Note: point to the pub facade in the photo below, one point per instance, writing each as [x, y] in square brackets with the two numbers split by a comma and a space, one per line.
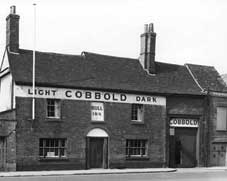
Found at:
[101, 111]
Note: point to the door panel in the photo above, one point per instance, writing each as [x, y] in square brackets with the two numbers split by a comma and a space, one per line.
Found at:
[185, 147]
[182, 148]
[2, 153]
[218, 155]
[96, 152]
[172, 163]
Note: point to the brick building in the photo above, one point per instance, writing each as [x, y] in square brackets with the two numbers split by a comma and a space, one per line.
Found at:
[99, 111]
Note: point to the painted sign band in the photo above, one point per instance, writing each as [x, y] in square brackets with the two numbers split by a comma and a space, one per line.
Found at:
[88, 95]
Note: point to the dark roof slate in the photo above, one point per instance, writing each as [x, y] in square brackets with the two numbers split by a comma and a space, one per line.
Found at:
[208, 77]
[95, 71]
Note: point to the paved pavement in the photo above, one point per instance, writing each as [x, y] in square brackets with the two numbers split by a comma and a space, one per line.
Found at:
[110, 171]
[85, 172]
[202, 169]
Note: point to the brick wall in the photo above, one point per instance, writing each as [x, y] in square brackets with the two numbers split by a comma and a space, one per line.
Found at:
[8, 115]
[217, 139]
[11, 152]
[74, 125]
[190, 107]
[7, 131]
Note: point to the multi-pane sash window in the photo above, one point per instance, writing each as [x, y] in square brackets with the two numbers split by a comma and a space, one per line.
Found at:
[53, 108]
[136, 147]
[137, 112]
[221, 119]
[52, 147]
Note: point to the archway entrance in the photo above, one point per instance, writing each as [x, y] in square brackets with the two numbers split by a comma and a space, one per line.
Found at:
[97, 149]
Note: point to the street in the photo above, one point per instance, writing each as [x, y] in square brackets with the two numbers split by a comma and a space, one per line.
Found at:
[217, 175]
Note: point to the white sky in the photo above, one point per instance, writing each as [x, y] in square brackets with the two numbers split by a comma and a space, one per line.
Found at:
[188, 31]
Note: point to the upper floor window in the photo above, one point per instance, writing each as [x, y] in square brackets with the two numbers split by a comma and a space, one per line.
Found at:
[221, 119]
[53, 108]
[52, 147]
[137, 112]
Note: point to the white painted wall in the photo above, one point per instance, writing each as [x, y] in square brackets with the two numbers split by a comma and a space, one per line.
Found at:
[6, 93]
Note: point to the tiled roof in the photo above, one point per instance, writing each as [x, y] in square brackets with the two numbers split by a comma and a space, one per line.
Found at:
[207, 77]
[95, 71]
[224, 77]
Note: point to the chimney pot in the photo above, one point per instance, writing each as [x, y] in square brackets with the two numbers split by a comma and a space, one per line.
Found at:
[13, 10]
[146, 29]
[151, 27]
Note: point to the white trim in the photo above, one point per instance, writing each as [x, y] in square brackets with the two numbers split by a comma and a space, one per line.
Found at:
[2, 60]
[196, 81]
[88, 95]
[33, 65]
[12, 52]
[218, 94]
[4, 72]
[97, 132]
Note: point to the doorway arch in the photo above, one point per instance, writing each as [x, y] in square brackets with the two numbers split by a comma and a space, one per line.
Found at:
[97, 132]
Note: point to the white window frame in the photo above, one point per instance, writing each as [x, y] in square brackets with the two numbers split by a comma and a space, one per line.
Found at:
[137, 112]
[52, 148]
[136, 148]
[56, 106]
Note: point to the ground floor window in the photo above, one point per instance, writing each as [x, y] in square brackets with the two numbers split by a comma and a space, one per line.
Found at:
[52, 147]
[136, 147]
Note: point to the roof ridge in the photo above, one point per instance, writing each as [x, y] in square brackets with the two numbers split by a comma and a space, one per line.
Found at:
[169, 63]
[98, 54]
[53, 53]
[199, 65]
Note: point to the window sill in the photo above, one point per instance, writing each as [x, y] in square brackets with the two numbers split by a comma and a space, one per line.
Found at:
[137, 158]
[50, 159]
[97, 122]
[224, 131]
[137, 122]
[53, 119]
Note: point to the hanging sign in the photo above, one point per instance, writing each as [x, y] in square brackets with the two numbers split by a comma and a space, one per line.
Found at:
[182, 122]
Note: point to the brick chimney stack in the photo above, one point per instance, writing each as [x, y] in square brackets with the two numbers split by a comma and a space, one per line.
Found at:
[147, 53]
[12, 30]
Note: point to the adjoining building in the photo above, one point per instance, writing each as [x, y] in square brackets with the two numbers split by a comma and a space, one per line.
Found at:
[99, 111]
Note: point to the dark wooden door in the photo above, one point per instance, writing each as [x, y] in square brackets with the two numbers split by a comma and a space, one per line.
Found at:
[172, 162]
[96, 152]
[185, 147]
[2, 153]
